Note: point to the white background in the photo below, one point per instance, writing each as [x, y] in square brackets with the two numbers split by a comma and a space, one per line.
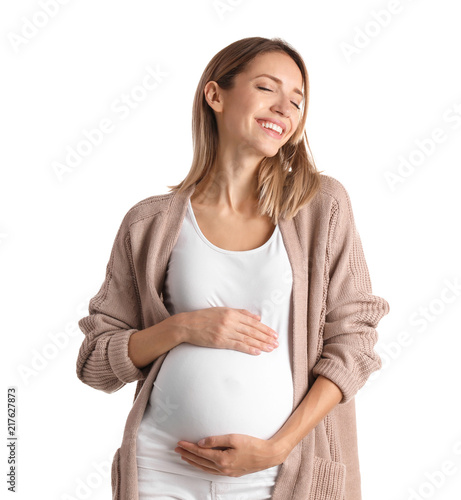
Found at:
[367, 111]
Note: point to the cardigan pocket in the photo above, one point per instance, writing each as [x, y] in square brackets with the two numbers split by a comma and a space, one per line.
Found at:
[330, 429]
[329, 480]
[115, 476]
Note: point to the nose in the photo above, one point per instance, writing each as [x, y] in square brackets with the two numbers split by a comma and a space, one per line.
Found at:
[282, 106]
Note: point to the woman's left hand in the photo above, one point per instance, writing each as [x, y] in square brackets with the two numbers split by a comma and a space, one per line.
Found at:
[231, 454]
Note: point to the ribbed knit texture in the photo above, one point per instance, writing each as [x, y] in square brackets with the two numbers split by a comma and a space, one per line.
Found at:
[329, 479]
[335, 316]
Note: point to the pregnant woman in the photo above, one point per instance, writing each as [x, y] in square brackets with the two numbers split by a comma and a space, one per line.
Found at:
[241, 304]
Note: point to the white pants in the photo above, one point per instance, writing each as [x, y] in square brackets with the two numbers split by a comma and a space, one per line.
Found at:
[159, 485]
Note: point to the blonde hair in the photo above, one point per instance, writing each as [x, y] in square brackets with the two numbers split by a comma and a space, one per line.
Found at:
[286, 181]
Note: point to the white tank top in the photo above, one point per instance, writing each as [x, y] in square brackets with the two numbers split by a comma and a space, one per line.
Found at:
[204, 391]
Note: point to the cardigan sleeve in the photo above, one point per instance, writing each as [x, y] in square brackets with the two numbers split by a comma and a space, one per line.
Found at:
[352, 312]
[114, 315]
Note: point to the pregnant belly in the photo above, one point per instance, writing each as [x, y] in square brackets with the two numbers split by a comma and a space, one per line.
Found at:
[201, 391]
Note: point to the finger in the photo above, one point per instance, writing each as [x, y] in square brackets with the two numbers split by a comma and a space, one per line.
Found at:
[263, 332]
[248, 313]
[257, 340]
[199, 461]
[207, 454]
[211, 471]
[249, 345]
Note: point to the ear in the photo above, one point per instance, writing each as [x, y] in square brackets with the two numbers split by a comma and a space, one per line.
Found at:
[213, 95]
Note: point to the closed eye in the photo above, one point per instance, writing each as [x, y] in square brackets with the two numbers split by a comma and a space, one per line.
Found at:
[264, 88]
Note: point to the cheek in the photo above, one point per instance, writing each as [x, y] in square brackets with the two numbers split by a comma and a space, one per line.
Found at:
[233, 120]
[296, 126]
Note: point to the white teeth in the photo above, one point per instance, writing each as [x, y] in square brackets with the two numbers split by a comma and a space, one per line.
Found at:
[273, 126]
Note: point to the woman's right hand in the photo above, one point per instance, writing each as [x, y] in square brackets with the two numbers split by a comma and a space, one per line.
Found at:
[227, 328]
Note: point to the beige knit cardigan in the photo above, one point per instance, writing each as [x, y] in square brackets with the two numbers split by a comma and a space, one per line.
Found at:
[333, 324]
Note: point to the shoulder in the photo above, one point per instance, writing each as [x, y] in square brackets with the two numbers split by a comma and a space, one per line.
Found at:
[339, 195]
[334, 189]
[331, 197]
[331, 203]
[147, 208]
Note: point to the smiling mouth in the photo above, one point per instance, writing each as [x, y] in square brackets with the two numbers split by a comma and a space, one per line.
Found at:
[270, 131]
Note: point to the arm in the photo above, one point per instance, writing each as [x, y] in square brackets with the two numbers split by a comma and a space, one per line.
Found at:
[352, 313]
[145, 346]
[322, 397]
[114, 315]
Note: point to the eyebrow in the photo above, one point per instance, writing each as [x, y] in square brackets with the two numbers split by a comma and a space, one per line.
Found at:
[277, 80]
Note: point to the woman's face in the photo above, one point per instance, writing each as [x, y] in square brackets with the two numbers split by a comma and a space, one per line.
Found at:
[256, 99]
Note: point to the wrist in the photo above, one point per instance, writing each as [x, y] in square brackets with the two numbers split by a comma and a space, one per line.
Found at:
[279, 449]
[178, 326]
